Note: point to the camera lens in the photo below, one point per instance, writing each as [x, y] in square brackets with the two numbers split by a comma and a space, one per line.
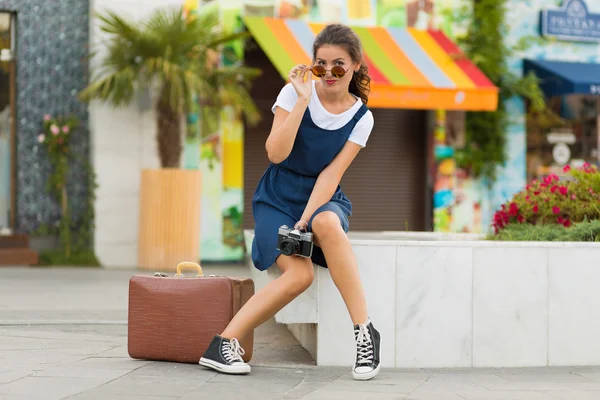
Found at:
[289, 246]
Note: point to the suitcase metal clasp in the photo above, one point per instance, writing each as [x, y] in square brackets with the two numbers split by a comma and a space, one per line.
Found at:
[161, 274]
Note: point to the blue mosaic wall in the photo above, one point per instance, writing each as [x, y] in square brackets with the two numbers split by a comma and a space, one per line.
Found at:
[52, 45]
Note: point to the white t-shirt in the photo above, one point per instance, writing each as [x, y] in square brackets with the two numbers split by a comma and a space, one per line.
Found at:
[324, 119]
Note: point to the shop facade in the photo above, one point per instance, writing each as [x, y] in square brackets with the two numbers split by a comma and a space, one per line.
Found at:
[569, 69]
[413, 75]
[565, 55]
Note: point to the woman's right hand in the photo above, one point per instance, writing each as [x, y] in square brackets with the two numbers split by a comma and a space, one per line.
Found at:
[297, 76]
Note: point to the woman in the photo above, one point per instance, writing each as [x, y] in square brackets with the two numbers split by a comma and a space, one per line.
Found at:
[318, 129]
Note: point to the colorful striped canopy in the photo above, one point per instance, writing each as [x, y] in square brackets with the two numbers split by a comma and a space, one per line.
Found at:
[409, 68]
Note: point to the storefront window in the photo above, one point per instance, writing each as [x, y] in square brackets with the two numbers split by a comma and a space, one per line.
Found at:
[567, 135]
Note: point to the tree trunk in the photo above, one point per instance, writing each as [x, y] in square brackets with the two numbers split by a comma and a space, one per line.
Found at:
[169, 132]
[66, 220]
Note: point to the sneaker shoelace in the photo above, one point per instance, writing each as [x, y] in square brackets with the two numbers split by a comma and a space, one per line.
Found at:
[364, 346]
[232, 351]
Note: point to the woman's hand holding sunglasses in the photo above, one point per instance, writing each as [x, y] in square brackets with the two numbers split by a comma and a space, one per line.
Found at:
[301, 78]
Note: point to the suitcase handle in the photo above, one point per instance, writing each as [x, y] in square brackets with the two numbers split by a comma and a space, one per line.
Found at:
[188, 264]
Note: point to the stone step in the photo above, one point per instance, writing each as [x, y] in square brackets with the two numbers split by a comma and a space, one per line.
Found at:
[14, 241]
[18, 256]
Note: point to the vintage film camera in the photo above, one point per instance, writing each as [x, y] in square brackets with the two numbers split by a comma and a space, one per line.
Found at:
[294, 241]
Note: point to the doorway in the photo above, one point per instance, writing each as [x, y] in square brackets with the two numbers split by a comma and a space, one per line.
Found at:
[7, 128]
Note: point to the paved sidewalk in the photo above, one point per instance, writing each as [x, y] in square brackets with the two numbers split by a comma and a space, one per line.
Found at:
[63, 335]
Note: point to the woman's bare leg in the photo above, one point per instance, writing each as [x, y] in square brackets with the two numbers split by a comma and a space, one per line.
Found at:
[298, 274]
[341, 263]
[344, 271]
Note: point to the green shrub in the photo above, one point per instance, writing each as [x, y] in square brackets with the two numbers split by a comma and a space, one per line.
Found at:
[84, 258]
[555, 201]
[587, 231]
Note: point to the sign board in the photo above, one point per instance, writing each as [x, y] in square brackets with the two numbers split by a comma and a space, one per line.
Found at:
[572, 21]
[561, 137]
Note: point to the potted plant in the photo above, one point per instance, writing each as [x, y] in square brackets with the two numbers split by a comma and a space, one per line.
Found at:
[176, 60]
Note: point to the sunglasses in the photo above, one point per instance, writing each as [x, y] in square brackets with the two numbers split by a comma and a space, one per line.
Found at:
[336, 72]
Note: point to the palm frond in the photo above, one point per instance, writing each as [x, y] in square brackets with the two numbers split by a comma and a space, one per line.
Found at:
[117, 89]
[116, 25]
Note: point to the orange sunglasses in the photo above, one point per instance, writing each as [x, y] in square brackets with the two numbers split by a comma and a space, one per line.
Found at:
[336, 72]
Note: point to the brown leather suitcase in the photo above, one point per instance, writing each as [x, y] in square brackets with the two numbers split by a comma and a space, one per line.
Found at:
[175, 318]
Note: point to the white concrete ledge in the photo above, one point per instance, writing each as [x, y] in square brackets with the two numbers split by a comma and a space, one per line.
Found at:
[444, 301]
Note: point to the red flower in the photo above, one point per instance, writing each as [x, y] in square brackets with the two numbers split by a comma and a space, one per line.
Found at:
[500, 219]
[567, 223]
[536, 193]
[591, 190]
[513, 210]
[520, 218]
[535, 208]
[567, 168]
[573, 197]
[559, 220]
[563, 190]
[553, 189]
[527, 197]
[555, 210]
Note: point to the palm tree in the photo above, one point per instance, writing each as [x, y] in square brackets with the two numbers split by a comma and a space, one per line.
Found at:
[178, 57]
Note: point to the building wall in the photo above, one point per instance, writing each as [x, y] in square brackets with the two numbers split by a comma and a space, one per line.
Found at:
[52, 38]
[123, 142]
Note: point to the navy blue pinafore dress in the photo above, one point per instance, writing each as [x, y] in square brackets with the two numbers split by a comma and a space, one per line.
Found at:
[285, 188]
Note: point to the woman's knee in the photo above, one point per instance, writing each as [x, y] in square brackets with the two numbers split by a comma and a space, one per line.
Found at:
[301, 271]
[325, 224]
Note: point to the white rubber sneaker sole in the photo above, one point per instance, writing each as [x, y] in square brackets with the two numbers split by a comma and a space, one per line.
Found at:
[366, 376]
[226, 369]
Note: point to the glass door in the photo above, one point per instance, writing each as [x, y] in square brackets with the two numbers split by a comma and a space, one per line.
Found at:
[7, 132]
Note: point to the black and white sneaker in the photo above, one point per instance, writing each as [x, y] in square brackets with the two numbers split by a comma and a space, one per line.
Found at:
[225, 355]
[368, 345]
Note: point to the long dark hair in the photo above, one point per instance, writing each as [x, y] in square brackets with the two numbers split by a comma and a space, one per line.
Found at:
[345, 37]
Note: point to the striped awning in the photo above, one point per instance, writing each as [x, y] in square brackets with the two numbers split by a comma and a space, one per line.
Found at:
[409, 68]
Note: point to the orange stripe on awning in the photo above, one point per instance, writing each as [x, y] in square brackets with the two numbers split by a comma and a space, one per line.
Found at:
[427, 98]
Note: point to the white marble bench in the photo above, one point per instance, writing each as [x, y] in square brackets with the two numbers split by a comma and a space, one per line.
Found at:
[457, 301]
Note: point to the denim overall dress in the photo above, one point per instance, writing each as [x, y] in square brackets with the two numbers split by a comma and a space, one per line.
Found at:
[285, 188]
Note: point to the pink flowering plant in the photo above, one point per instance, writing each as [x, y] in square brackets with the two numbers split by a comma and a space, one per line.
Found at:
[56, 138]
[56, 134]
[552, 200]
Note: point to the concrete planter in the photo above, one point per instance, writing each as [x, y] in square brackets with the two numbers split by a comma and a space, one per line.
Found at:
[456, 301]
